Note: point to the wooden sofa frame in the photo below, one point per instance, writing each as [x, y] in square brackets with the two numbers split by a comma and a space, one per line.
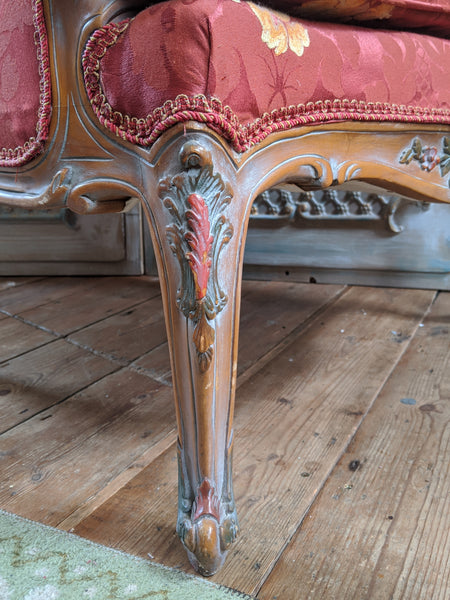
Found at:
[87, 169]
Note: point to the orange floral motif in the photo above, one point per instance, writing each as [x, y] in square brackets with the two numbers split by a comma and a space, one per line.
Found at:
[281, 33]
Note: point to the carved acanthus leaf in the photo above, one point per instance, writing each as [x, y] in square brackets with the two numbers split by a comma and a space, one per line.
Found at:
[200, 241]
[196, 199]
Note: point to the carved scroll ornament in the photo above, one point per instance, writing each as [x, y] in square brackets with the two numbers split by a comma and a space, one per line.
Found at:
[196, 198]
[54, 195]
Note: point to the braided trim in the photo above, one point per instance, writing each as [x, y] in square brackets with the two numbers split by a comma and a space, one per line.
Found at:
[221, 118]
[16, 157]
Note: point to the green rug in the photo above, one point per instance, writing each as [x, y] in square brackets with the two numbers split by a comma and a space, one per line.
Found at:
[41, 563]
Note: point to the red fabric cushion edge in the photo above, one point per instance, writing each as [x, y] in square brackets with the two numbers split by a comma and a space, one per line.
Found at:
[222, 119]
[16, 157]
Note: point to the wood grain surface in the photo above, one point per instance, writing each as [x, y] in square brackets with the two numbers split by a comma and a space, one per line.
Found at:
[341, 424]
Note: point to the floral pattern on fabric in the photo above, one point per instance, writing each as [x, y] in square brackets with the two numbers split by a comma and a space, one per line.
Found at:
[218, 70]
[25, 87]
[280, 32]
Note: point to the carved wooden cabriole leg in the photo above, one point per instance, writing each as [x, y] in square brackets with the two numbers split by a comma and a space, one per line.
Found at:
[198, 217]
[197, 226]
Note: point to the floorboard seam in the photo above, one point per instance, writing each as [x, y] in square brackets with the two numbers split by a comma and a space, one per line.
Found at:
[76, 329]
[100, 353]
[163, 445]
[289, 338]
[148, 373]
[31, 324]
[269, 570]
[25, 352]
[81, 389]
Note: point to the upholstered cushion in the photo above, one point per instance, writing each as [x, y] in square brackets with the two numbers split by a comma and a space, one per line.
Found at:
[246, 72]
[25, 89]
[431, 16]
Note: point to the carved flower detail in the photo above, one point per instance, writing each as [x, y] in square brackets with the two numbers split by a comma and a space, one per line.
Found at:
[426, 156]
[280, 33]
[196, 199]
[429, 159]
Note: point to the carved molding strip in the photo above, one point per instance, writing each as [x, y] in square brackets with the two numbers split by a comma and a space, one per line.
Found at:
[196, 199]
[328, 206]
[13, 214]
[54, 195]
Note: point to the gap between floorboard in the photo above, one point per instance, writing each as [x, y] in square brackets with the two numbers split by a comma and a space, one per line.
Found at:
[113, 486]
[351, 438]
[81, 513]
[263, 360]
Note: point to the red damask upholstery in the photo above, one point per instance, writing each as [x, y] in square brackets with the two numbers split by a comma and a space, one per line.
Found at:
[248, 71]
[25, 88]
[432, 16]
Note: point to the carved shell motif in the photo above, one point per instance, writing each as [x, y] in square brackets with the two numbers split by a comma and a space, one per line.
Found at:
[196, 199]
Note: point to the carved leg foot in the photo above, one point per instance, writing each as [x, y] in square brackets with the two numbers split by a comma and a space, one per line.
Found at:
[198, 231]
[207, 527]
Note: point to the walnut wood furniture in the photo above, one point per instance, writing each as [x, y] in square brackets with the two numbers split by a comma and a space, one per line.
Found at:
[193, 109]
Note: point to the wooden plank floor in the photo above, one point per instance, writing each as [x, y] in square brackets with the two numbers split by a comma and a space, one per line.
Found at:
[342, 447]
